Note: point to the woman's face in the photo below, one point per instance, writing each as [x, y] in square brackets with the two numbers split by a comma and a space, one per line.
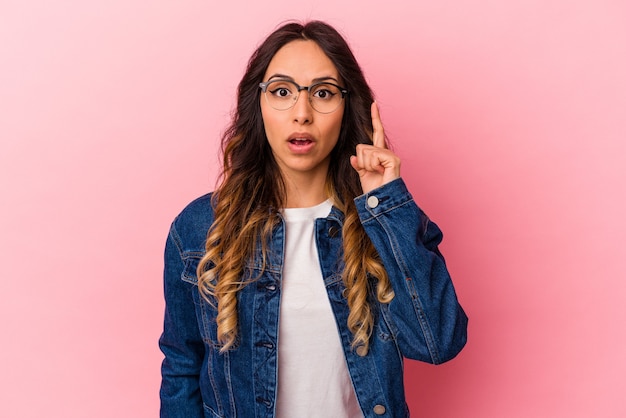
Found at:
[301, 138]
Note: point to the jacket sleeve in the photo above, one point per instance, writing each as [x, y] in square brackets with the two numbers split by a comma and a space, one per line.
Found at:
[180, 342]
[425, 317]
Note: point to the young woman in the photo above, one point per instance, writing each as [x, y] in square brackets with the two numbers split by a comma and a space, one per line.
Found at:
[298, 286]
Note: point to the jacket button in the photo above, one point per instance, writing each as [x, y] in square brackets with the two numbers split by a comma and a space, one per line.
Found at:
[379, 409]
[361, 350]
[271, 287]
[332, 231]
[372, 201]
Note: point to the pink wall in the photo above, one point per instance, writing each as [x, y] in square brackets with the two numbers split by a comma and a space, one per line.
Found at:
[511, 120]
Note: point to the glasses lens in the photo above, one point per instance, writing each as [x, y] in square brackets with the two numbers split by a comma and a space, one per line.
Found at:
[324, 97]
[281, 94]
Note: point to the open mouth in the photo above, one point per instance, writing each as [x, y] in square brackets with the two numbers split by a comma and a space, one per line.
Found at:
[301, 145]
[300, 141]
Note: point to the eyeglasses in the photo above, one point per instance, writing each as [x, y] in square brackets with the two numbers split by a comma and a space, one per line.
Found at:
[282, 94]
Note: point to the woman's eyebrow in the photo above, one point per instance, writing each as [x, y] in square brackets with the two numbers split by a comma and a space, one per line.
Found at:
[326, 78]
[280, 76]
[315, 80]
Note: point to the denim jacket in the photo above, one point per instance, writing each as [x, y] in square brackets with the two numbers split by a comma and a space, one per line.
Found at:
[424, 321]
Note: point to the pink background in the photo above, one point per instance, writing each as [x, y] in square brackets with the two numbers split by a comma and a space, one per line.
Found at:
[510, 118]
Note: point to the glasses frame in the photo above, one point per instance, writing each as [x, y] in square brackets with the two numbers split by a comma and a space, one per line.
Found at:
[263, 85]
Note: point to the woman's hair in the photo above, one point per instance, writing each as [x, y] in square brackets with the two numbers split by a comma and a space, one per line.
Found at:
[251, 190]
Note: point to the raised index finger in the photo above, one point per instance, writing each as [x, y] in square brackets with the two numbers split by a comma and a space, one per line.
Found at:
[378, 135]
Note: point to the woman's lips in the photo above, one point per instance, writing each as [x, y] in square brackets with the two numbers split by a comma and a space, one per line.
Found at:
[300, 143]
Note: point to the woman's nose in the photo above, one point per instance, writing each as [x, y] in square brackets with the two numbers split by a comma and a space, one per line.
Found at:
[302, 110]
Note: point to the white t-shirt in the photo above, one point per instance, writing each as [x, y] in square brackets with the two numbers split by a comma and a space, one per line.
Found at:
[313, 378]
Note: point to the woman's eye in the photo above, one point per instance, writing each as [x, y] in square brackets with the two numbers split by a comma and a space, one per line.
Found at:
[281, 92]
[324, 91]
[323, 94]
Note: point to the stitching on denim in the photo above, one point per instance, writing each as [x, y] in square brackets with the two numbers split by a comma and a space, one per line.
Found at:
[216, 394]
[229, 383]
[190, 260]
[384, 322]
[417, 305]
[176, 239]
[425, 223]
[210, 410]
[380, 386]
[204, 317]
[389, 209]
[380, 210]
[262, 381]
[362, 374]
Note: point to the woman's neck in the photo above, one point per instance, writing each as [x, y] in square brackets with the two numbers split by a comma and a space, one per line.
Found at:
[305, 190]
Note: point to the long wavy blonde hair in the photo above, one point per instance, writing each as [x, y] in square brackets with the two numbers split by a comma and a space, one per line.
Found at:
[251, 191]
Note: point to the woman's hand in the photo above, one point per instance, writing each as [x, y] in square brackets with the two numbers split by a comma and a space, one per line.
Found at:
[375, 164]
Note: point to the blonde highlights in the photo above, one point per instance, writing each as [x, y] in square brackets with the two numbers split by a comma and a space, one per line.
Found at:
[233, 239]
[251, 192]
